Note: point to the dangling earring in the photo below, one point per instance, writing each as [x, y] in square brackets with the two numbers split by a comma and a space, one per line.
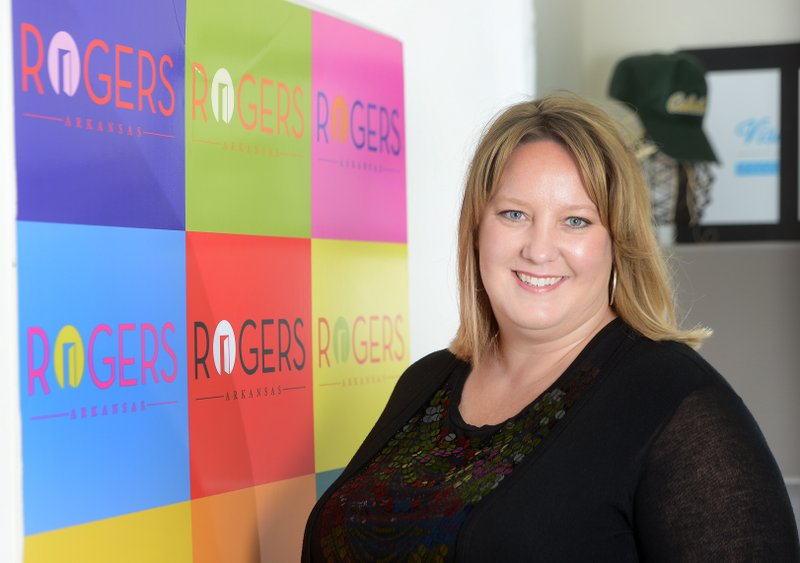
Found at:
[613, 286]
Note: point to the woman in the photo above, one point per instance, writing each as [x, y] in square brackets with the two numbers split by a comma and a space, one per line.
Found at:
[570, 420]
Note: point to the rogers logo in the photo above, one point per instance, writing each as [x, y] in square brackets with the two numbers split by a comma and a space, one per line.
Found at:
[110, 73]
[222, 95]
[367, 125]
[224, 347]
[68, 357]
[64, 64]
[272, 107]
[71, 357]
[259, 346]
[368, 339]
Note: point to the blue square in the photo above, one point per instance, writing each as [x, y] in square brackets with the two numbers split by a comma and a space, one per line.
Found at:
[103, 385]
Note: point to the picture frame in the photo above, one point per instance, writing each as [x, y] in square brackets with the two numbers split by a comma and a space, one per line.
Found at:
[752, 122]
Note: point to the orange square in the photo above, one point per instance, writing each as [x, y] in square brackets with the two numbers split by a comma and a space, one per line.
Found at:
[263, 523]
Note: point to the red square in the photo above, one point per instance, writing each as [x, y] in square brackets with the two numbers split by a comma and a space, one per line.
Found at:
[249, 360]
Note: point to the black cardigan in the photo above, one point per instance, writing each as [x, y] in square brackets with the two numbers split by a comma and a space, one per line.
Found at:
[659, 461]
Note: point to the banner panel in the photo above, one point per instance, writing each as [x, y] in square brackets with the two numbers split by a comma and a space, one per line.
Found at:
[160, 534]
[99, 112]
[250, 395]
[248, 116]
[263, 523]
[102, 378]
[358, 165]
[360, 297]
[212, 270]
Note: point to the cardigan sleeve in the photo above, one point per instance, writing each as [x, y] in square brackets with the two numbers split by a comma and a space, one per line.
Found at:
[710, 489]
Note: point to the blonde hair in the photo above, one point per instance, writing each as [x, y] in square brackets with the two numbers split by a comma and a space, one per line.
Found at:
[613, 179]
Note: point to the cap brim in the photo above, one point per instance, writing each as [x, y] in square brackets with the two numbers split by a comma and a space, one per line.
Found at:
[681, 139]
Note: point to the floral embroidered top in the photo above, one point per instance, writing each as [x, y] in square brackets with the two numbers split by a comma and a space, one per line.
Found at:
[418, 490]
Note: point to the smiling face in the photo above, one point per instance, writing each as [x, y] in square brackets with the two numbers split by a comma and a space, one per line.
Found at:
[545, 257]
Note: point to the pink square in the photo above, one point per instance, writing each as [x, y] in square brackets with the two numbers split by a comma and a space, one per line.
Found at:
[358, 176]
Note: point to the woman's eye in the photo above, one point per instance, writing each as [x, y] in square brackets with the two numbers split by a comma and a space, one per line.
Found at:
[513, 215]
[577, 222]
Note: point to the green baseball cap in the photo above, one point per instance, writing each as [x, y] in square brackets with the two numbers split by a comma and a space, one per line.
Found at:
[669, 93]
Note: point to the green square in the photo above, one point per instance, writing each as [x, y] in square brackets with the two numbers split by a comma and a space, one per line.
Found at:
[248, 117]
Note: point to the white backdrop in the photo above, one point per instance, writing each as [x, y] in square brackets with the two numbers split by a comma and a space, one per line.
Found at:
[10, 443]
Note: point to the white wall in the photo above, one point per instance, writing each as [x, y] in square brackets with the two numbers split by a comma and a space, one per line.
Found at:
[579, 41]
[559, 45]
[464, 60]
[613, 27]
[748, 293]
[10, 443]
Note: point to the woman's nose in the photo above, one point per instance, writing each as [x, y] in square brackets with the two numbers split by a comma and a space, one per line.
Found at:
[540, 244]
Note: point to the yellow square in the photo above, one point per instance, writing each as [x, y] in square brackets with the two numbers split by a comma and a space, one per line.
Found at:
[161, 534]
[359, 302]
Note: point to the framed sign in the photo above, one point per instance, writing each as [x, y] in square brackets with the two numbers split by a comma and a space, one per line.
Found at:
[752, 122]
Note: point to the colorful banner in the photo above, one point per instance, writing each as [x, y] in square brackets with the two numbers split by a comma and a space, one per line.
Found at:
[212, 270]
[161, 534]
[358, 168]
[360, 340]
[250, 397]
[103, 378]
[260, 523]
[248, 118]
[99, 112]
